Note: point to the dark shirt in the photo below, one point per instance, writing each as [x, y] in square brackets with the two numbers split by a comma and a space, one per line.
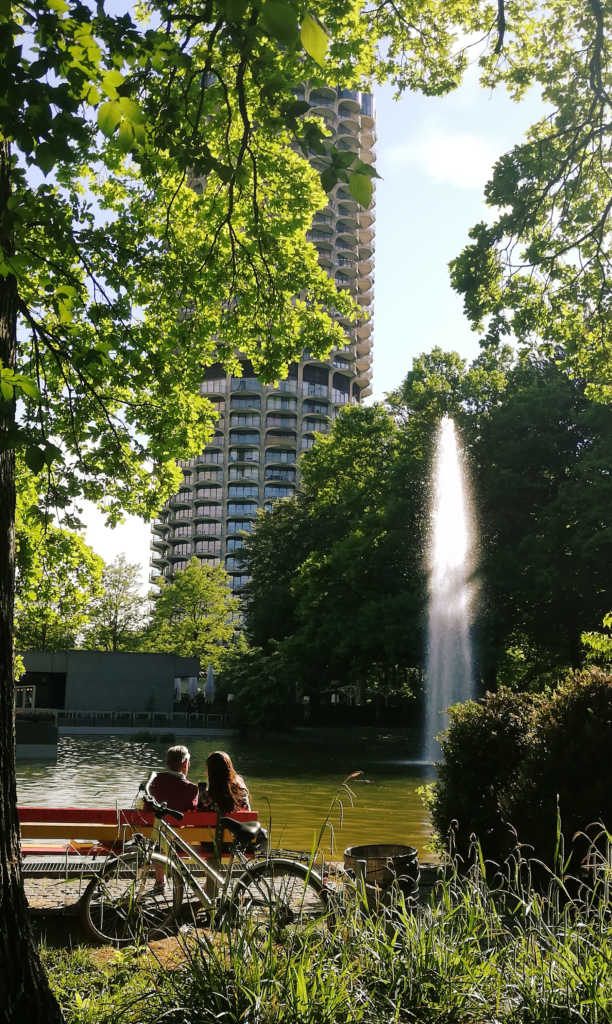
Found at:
[175, 790]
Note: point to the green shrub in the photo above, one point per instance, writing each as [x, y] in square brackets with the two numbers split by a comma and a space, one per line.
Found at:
[512, 761]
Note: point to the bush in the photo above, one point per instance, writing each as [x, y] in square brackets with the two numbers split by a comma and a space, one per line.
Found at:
[513, 760]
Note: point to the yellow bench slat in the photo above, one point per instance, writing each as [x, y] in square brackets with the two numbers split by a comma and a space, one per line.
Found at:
[87, 830]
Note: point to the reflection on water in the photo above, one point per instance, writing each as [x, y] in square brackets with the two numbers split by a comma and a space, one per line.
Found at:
[292, 783]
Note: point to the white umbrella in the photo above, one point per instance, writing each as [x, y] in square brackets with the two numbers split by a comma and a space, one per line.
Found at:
[209, 689]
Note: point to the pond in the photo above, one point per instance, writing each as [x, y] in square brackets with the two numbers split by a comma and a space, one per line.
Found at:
[292, 782]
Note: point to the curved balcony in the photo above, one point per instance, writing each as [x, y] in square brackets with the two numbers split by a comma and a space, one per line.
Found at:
[237, 526]
[182, 498]
[244, 455]
[275, 436]
[363, 364]
[276, 419]
[160, 526]
[349, 101]
[208, 530]
[340, 363]
[278, 491]
[315, 427]
[207, 512]
[179, 552]
[243, 491]
[287, 387]
[312, 390]
[320, 237]
[245, 384]
[244, 473]
[245, 419]
[348, 207]
[348, 226]
[244, 509]
[214, 492]
[280, 473]
[366, 217]
[348, 265]
[312, 408]
[282, 456]
[241, 437]
[246, 402]
[213, 387]
[348, 124]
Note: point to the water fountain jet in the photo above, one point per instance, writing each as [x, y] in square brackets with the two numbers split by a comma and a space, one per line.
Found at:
[449, 676]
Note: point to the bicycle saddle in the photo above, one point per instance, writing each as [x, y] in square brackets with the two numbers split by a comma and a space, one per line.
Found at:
[245, 833]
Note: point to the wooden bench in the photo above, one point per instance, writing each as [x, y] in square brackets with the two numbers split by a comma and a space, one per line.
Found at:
[96, 831]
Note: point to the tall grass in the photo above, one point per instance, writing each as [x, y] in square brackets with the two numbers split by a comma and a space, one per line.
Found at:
[492, 947]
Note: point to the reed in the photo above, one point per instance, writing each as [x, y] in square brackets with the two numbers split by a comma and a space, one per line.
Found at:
[494, 946]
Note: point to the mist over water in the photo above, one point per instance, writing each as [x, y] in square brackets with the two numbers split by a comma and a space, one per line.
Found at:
[449, 676]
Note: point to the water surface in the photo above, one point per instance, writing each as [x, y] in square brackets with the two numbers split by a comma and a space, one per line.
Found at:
[292, 783]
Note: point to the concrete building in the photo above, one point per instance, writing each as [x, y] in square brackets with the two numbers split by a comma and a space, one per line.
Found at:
[102, 681]
[253, 458]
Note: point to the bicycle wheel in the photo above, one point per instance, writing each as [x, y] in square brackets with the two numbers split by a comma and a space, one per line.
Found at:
[280, 893]
[127, 902]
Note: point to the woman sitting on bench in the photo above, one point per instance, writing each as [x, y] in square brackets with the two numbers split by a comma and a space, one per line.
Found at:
[226, 791]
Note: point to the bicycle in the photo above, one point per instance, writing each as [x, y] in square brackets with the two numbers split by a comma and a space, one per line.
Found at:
[139, 893]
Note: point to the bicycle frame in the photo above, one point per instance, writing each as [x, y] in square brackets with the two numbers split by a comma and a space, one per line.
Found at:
[165, 834]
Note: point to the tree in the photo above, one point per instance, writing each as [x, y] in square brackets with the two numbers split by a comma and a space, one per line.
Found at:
[539, 269]
[53, 604]
[336, 592]
[120, 283]
[116, 614]
[194, 615]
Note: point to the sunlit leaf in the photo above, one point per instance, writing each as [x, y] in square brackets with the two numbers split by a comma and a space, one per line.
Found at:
[314, 39]
[360, 187]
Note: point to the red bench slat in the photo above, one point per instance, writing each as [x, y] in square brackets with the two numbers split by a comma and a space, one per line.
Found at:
[108, 816]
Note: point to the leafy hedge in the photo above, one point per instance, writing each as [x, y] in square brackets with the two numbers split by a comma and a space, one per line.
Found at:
[513, 759]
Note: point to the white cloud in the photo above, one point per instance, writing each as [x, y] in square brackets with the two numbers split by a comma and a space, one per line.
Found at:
[460, 159]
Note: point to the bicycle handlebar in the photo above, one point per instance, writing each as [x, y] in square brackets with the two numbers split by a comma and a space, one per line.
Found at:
[160, 810]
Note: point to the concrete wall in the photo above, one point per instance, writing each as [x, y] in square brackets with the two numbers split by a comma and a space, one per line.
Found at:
[119, 681]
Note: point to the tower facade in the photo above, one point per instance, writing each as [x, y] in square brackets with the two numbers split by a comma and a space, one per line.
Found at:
[253, 458]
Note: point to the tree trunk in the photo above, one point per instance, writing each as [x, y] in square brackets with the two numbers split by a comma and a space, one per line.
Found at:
[24, 991]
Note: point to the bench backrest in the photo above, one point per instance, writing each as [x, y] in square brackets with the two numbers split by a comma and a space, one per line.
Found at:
[106, 824]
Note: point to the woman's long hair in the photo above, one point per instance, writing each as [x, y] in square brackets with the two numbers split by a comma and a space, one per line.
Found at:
[224, 786]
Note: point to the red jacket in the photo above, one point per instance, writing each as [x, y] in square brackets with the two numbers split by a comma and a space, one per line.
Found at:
[175, 790]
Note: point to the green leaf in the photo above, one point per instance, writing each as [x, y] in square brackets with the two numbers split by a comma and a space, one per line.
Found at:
[109, 116]
[58, 5]
[28, 386]
[329, 178]
[280, 21]
[45, 157]
[360, 187]
[368, 169]
[52, 453]
[110, 82]
[314, 39]
[295, 108]
[126, 137]
[236, 9]
[35, 459]
[6, 389]
[343, 158]
[130, 110]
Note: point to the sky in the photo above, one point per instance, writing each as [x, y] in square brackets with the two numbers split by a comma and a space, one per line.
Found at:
[434, 155]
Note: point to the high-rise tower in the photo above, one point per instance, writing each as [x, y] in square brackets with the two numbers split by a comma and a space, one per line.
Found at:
[253, 457]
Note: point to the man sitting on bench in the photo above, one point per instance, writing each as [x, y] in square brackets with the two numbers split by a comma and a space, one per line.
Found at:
[172, 786]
